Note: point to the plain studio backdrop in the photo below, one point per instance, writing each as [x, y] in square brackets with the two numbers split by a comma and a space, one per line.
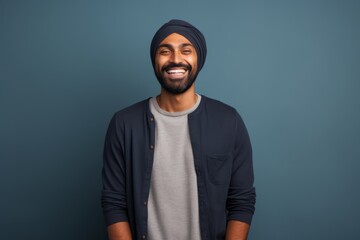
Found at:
[291, 68]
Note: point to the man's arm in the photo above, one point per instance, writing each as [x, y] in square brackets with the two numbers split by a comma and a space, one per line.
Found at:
[237, 230]
[241, 195]
[119, 231]
[114, 198]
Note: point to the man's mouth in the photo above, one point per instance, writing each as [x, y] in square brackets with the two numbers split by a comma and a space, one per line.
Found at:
[176, 71]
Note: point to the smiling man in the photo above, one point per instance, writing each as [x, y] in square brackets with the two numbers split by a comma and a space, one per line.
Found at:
[176, 64]
[178, 165]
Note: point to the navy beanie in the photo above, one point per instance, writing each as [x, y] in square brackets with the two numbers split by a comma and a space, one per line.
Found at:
[185, 29]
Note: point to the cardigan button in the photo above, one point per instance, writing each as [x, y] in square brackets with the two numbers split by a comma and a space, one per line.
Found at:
[152, 146]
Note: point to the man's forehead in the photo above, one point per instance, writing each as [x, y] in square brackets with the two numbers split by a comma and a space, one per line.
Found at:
[175, 38]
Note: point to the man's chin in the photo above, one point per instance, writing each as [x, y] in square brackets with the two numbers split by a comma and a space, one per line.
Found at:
[176, 89]
[175, 81]
[176, 85]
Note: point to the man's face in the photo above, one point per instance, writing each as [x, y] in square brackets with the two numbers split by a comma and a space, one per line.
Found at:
[176, 64]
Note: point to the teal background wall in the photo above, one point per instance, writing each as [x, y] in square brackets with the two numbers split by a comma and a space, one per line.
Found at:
[291, 68]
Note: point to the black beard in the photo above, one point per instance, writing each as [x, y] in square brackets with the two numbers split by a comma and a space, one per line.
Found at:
[176, 89]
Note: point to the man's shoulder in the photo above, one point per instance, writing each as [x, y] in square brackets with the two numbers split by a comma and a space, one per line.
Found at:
[133, 111]
[218, 106]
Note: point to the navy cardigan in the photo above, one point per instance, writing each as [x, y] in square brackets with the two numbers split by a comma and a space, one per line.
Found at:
[222, 157]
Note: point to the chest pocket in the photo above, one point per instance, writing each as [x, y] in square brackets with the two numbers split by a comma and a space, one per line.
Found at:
[219, 168]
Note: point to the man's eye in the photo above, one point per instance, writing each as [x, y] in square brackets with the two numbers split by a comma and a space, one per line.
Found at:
[186, 51]
[164, 52]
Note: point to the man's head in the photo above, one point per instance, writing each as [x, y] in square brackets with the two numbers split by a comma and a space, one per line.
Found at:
[178, 52]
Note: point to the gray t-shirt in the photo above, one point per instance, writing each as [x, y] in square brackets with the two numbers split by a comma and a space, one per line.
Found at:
[173, 201]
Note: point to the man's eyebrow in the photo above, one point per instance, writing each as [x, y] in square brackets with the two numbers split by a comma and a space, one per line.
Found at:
[186, 45]
[165, 45]
[171, 47]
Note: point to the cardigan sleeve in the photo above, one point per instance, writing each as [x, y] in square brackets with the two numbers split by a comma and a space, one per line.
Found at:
[241, 195]
[113, 199]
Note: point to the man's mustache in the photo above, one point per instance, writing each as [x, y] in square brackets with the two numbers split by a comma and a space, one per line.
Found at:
[176, 65]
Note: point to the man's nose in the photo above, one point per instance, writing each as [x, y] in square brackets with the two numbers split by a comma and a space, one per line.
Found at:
[176, 57]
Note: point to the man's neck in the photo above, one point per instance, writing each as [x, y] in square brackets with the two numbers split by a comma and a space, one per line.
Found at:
[177, 102]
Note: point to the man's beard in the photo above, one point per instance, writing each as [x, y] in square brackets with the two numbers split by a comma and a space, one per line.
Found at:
[172, 87]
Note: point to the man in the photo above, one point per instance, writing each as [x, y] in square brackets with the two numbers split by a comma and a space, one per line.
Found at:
[178, 165]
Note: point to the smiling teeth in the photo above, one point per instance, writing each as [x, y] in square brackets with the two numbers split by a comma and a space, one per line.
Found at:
[176, 71]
